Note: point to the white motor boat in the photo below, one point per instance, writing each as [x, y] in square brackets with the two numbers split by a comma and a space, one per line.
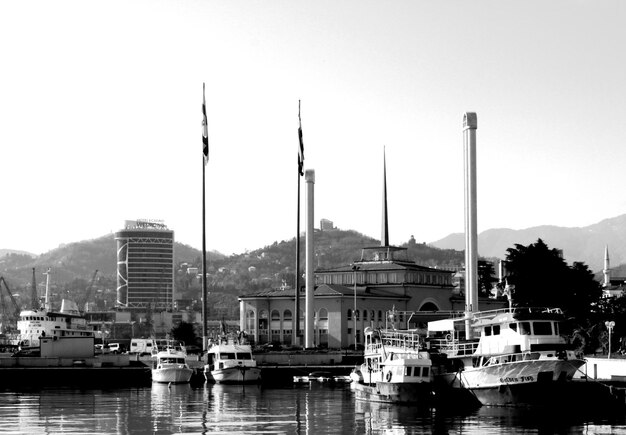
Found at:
[230, 362]
[171, 367]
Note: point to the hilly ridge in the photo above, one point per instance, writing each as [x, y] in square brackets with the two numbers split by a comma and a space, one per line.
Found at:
[585, 244]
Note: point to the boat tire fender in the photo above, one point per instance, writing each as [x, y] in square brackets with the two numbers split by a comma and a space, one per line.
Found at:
[388, 376]
[449, 337]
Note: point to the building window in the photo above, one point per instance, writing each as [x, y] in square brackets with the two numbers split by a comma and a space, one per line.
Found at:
[349, 314]
[380, 316]
[323, 315]
[356, 314]
[365, 315]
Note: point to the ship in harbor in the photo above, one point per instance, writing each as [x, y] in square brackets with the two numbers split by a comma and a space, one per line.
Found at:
[518, 357]
[396, 369]
[56, 347]
[66, 325]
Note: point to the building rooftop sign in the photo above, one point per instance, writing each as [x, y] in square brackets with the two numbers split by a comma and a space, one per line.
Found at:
[156, 224]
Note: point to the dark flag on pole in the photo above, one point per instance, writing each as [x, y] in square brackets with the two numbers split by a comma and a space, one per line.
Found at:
[301, 146]
[205, 130]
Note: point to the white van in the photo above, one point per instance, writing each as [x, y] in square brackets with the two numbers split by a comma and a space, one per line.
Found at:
[114, 347]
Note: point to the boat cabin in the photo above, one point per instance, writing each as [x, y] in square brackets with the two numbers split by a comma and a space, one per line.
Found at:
[504, 331]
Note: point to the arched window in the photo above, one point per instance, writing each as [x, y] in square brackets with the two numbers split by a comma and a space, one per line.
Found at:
[323, 314]
[429, 306]
[275, 315]
[287, 315]
[356, 314]
[380, 315]
[372, 315]
[364, 315]
[349, 314]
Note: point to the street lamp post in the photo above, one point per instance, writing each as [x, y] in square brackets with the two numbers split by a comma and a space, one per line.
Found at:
[609, 325]
[354, 269]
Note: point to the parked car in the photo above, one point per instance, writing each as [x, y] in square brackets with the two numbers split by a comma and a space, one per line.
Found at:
[115, 347]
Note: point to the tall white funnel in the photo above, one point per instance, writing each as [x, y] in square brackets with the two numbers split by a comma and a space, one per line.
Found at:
[470, 124]
[309, 177]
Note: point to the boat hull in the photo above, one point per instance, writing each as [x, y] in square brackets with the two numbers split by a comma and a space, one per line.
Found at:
[172, 375]
[420, 393]
[234, 375]
[523, 383]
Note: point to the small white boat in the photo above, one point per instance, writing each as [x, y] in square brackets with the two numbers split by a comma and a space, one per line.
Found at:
[171, 367]
[231, 363]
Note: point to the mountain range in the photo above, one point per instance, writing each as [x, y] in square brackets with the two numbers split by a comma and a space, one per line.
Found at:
[584, 244]
[337, 247]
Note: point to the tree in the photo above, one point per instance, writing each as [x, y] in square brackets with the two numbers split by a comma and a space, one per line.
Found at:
[542, 278]
[185, 332]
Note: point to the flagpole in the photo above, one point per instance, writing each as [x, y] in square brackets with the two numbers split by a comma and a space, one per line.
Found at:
[296, 329]
[205, 156]
[204, 293]
[296, 336]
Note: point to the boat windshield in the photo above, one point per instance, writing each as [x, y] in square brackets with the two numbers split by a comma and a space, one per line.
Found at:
[245, 355]
[172, 360]
[227, 355]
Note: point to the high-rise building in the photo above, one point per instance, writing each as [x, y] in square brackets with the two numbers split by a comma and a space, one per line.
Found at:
[145, 266]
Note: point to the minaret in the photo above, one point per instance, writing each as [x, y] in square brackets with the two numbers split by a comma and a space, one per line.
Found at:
[470, 124]
[384, 238]
[607, 268]
[309, 177]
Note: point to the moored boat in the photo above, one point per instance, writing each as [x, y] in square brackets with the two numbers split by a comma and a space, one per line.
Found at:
[231, 362]
[396, 369]
[518, 357]
[171, 366]
[67, 325]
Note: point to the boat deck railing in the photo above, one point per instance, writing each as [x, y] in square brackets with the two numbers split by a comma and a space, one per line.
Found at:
[453, 347]
[515, 311]
[409, 340]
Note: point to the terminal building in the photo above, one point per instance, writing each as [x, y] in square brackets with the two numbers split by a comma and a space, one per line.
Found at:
[145, 266]
[349, 298]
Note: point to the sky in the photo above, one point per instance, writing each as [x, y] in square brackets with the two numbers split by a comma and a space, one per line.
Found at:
[100, 116]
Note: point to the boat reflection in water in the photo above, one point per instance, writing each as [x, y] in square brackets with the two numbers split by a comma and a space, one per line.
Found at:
[211, 408]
